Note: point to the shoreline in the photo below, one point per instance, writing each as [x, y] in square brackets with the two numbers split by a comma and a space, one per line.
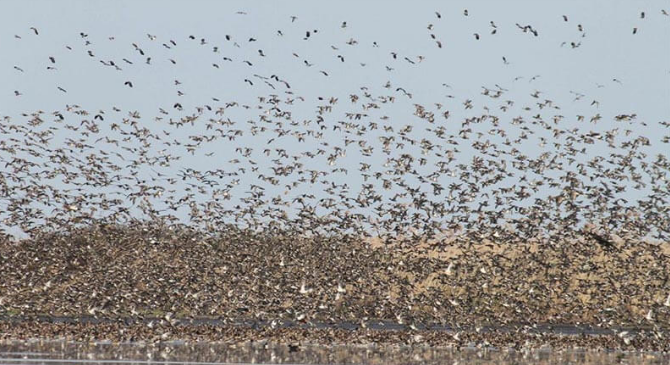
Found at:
[560, 329]
[160, 331]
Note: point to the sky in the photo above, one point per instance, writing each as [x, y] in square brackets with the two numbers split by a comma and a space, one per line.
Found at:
[615, 71]
[609, 50]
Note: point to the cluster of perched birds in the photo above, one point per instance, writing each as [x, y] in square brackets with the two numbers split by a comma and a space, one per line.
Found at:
[376, 161]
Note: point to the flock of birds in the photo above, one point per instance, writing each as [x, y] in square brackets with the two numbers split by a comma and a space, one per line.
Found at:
[376, 161]
[271, 203]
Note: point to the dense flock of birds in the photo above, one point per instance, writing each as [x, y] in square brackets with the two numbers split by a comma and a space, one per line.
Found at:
[268, 200]
[375, 161]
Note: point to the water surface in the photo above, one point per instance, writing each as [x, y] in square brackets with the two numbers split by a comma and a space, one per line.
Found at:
[176, 352]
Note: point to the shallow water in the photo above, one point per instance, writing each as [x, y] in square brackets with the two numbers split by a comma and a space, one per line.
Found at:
[59, 352]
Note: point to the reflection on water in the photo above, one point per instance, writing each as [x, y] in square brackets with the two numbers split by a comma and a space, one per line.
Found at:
[55, 352]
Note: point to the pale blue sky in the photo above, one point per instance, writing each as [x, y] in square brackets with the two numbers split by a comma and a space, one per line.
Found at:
[609, 49]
